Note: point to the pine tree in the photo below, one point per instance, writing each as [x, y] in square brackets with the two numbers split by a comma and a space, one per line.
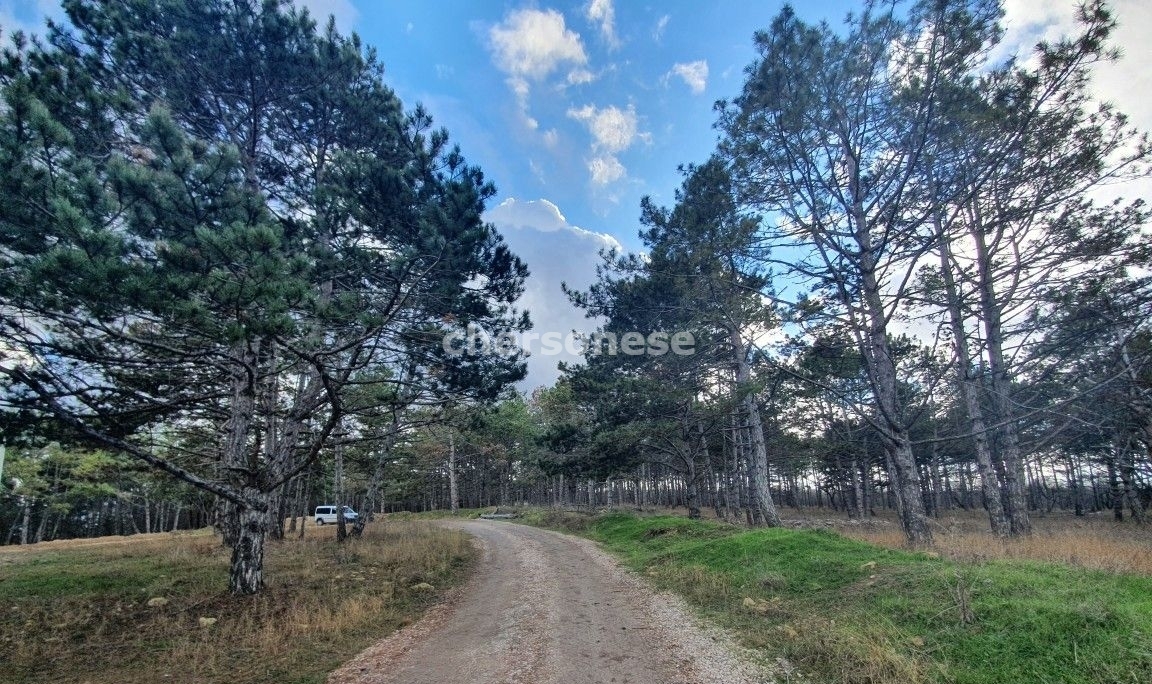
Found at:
[217, 218]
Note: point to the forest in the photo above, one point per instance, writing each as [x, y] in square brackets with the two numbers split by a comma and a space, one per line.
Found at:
[230, 258]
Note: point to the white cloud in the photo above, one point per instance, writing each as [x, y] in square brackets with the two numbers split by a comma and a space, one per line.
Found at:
[344, 11]
[578, 76]
[1125, 83]
[530, 44]
[695, 74]
[661, 24]
[537, 172]
[603, 13]
[605, 170]
[1128, 82]
[556, 251]
[613, 129]
[539, 215]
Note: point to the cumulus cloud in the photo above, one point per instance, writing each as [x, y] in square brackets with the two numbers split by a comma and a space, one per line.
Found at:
[602, 12]
[605, 170]
[530, 45]
[539, 215]
[694, 74]
[613, 130]
[556, 251]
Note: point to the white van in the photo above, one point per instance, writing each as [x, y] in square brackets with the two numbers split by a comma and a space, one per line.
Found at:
[327, 514]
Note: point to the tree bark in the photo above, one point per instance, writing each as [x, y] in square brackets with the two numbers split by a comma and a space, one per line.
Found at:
[881, 368]
[989, 481]
[246, 575]
[43, 526]
[342, 523]
[692, 492]
[765, 507]
[1016, 503]
[453, 486]
[26, 520]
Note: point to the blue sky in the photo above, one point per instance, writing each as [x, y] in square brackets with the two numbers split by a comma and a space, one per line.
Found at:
[591, 106]
[577, 110]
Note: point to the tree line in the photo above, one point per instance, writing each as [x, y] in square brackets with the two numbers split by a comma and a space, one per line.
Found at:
[909, 281]
[903, 257]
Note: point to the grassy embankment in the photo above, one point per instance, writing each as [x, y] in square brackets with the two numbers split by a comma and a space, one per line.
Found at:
[842, 610]
[79, 611]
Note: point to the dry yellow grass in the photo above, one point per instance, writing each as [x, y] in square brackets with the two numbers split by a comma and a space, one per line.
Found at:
[155, 541]
[1096, 543]
[78, 611]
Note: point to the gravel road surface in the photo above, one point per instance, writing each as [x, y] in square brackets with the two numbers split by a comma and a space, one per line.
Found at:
[548, 608]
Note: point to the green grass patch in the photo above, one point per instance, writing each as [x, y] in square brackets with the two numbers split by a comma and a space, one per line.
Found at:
[848, 612]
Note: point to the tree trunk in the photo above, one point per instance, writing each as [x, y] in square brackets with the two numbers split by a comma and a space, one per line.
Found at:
[40, 529]
[1016, 501]
[341, 523]
[1117, 497]
[305, 501]
[758, 451]
[872, 339]
[246, 575]
[26, 520]
[989, 482]
[1126, 469]
[235, 457]
[691, 487]
[294, 502]
[377, 481]
[1074, 487]
[453, 487]
[858, 504]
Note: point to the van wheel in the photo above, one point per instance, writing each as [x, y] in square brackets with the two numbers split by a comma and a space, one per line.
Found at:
[320, 521]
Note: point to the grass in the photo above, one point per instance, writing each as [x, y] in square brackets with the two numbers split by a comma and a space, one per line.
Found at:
[1094, 542]
[846, 611]
[79, 611]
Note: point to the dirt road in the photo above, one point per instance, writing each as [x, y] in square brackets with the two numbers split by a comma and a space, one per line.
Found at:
[547, 608]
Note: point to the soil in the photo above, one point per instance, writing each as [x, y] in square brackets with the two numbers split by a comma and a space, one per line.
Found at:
[548, 608]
